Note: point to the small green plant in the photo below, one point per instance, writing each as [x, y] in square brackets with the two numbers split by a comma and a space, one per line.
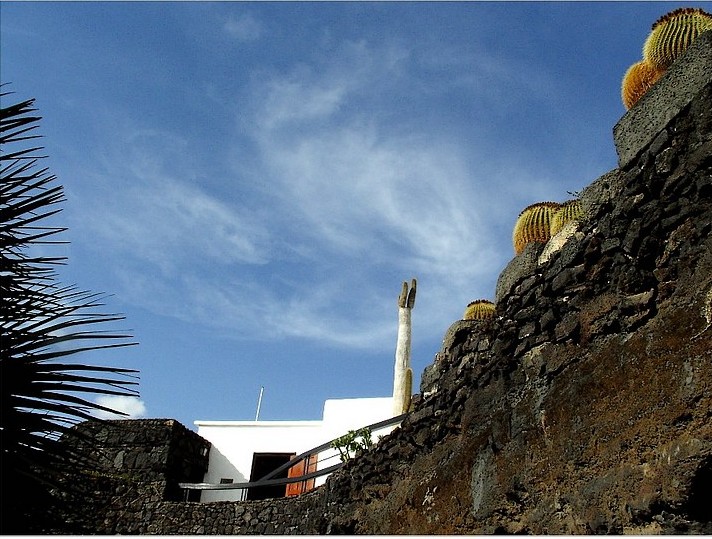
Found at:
[351, 442]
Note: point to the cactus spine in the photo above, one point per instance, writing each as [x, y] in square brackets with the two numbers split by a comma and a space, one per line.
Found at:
[533, 225]
[672, 34]
[639, 78]
[480, 309]
[403, 374]
[569, 211]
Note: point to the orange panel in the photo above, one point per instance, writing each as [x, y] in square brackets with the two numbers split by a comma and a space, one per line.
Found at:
[309, 464]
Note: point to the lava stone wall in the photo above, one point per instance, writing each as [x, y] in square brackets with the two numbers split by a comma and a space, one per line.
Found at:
[585, 406]
[152, 450]
[132, 464]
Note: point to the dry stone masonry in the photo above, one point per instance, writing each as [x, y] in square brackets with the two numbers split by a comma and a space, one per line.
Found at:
[583, 406]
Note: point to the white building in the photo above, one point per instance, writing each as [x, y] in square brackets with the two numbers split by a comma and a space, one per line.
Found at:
[245, 451]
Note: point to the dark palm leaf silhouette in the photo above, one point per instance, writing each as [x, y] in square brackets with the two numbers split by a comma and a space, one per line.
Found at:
[43, 325]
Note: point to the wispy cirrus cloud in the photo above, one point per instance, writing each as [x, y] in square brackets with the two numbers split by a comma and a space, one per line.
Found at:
[243, 27]
[342, 199]
[370, 194]
[336, 83]
[148, 206]
[362, 183]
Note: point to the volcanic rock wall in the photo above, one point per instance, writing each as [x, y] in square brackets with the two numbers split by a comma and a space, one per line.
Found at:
[133, 465]
[585, 406]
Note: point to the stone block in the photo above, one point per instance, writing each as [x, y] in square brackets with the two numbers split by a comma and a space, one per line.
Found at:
[600, 194]
[685, 78]
[555, 244]
[521, 266]
[429, 379]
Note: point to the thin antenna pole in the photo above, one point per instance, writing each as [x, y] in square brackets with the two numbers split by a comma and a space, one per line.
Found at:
[259, 402]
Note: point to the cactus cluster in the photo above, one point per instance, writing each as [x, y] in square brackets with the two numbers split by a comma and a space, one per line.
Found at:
[569, 211]
[480, 309]
[670, 36]
[533, 224]
[541, 221]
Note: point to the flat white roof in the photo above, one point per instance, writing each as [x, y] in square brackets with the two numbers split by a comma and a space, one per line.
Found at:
[331, 406]
[262, 424]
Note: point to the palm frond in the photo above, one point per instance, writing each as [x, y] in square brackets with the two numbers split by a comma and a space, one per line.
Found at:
[42, 324]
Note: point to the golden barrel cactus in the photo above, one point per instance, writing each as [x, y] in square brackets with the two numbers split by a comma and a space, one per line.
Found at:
[533, 224]
[480, 309]
[672, 34]
[569, 211]
[637, 80]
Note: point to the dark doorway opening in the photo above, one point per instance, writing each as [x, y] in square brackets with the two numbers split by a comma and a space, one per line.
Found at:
[262, 464]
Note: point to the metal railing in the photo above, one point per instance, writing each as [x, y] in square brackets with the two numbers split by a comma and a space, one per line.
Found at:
[269, 479]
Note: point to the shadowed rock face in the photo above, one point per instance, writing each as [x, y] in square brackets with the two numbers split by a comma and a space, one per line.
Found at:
[584, 406]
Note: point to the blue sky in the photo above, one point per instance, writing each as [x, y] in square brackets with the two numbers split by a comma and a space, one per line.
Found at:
[252, 182]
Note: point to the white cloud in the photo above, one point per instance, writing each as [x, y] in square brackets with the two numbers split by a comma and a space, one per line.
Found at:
[172, 222]
[354, 197]
[492, 77]
[341, 200]
[146, 205]
[362, 192]
[287, 100]
[362, 186]
[375, 194]
[133, 406]
[315, 91]
[244, 27]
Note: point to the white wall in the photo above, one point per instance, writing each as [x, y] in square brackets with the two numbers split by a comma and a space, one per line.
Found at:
[343, 415]
[235, 442]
